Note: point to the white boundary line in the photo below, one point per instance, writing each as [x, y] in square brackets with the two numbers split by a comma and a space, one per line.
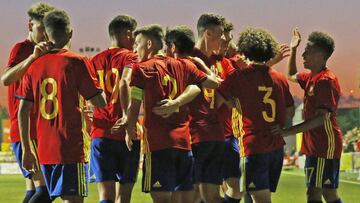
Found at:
[302, 175]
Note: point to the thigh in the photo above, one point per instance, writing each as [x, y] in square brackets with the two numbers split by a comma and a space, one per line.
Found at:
[183, 165]
[276, 163]
[131, 165]
[231, 159]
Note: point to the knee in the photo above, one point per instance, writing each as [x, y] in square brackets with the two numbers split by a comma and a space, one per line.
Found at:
[313, 194]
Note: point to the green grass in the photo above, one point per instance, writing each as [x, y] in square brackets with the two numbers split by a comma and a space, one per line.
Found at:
[291, 189]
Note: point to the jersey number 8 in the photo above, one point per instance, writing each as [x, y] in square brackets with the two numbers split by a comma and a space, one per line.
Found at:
[51, 96]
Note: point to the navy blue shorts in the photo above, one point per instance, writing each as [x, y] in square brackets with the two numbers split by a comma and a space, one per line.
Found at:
[167, 170]
[208, 162]
[16, 146]
[321, 172]
[111, 160]
[261, 171]
[66, 179]
[231, 159]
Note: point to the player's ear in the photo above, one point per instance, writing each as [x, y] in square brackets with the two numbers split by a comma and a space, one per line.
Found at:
[149, 44]
[70, 34]
[129, 34]
[30, 24]
[173, 48]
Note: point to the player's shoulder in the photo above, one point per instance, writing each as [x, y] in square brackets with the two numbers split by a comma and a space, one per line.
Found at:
[328, 75]
[22, 45]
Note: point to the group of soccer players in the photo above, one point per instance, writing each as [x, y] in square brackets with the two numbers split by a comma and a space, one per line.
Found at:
[214, 112]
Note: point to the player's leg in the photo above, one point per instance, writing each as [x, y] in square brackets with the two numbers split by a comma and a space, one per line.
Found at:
[331, 181]
[103, 167]
[129, 176]
[231, 170]
[183, 191]
[313, 173]
[159, 175]
[72, 199]
[255, 177]
[208, 158]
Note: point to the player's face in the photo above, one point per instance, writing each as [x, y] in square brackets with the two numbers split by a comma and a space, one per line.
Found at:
[170, 49]
[214, 36]
[313, 59]
[225, 42]
[142, 47]
[37, 31]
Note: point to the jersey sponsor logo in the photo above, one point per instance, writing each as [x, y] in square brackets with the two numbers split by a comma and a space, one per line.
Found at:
[327, 182]
[157, 184]
[252, 185]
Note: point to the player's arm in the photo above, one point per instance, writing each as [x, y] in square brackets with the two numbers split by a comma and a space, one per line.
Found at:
[212, 80]
[309, 124]
[220, 100]
[99, 100]
[124, 87]
[168, 106]
[132, 116]
[292, 69]
[13, 74]
[28, 158]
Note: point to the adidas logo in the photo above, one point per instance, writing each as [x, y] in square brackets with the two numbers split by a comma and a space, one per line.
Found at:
[93, 177]
[157, 184]
[252, 185]
[327, 182]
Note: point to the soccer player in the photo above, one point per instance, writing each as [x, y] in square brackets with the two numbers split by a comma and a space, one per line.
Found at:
[322, 139]
[111, 161]
[22, 55]
[207, 129]
[52, 86]
[263, 99]
[167, 171]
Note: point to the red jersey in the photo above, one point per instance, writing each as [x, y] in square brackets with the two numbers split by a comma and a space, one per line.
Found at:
[262, 95]
[322, 91]
[108, 67]
[161, 78]
[54, 82]
[20, 52]
[204, 123]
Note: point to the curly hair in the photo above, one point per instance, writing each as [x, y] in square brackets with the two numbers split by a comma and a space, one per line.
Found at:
[183, 38]
[120, 23]
[323, 42]
[257, 44]
[37, 11]
[228, 26]
[154, 32]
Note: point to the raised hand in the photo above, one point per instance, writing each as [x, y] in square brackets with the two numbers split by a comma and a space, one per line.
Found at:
[281, 54]
[296, 39]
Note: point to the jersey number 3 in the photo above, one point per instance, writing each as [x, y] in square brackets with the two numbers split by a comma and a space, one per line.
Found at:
[49, 96]
[267, 100]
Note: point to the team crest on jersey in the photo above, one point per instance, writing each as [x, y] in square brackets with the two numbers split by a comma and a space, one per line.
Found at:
[310, 92]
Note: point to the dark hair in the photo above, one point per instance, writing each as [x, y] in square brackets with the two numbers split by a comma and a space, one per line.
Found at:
[154, 32]
[228, 26]
[121, 23]
[257, 44]
[57, 23]
[183, 38]
[209, 19]
[37, 11]
[322, 42]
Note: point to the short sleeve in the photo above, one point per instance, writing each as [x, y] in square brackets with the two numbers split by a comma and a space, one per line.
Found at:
[87, 86]
[227, 86]
[137, 83]
[15, 55]
[289, 100]
[25, 92]
[302, 78]
[130, 60]
[326, 95]
[195, 76]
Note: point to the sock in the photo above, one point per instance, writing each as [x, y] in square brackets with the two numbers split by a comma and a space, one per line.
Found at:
[28, 195]
[106, 201]
[337, 201]
[41, 195]
[228, 199]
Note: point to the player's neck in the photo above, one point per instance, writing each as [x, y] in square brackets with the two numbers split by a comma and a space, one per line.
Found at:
[316, 70]
[202, 46]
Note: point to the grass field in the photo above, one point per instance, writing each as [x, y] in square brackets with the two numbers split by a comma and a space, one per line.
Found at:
[291, 189]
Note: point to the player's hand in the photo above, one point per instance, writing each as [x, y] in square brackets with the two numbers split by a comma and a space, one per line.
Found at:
[119, 125]
[42, 48]
[88, 113]
[277, 130]
[296, 39]
[128, 141]
[29, 162]
[240, 61]
[166, 108]
[282, 53]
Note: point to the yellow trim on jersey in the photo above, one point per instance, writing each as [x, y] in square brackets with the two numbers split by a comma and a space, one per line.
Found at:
[331, 137]
[86, 135]
[319, 172]
[147, 180]
[137, 93]
[237, 125]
